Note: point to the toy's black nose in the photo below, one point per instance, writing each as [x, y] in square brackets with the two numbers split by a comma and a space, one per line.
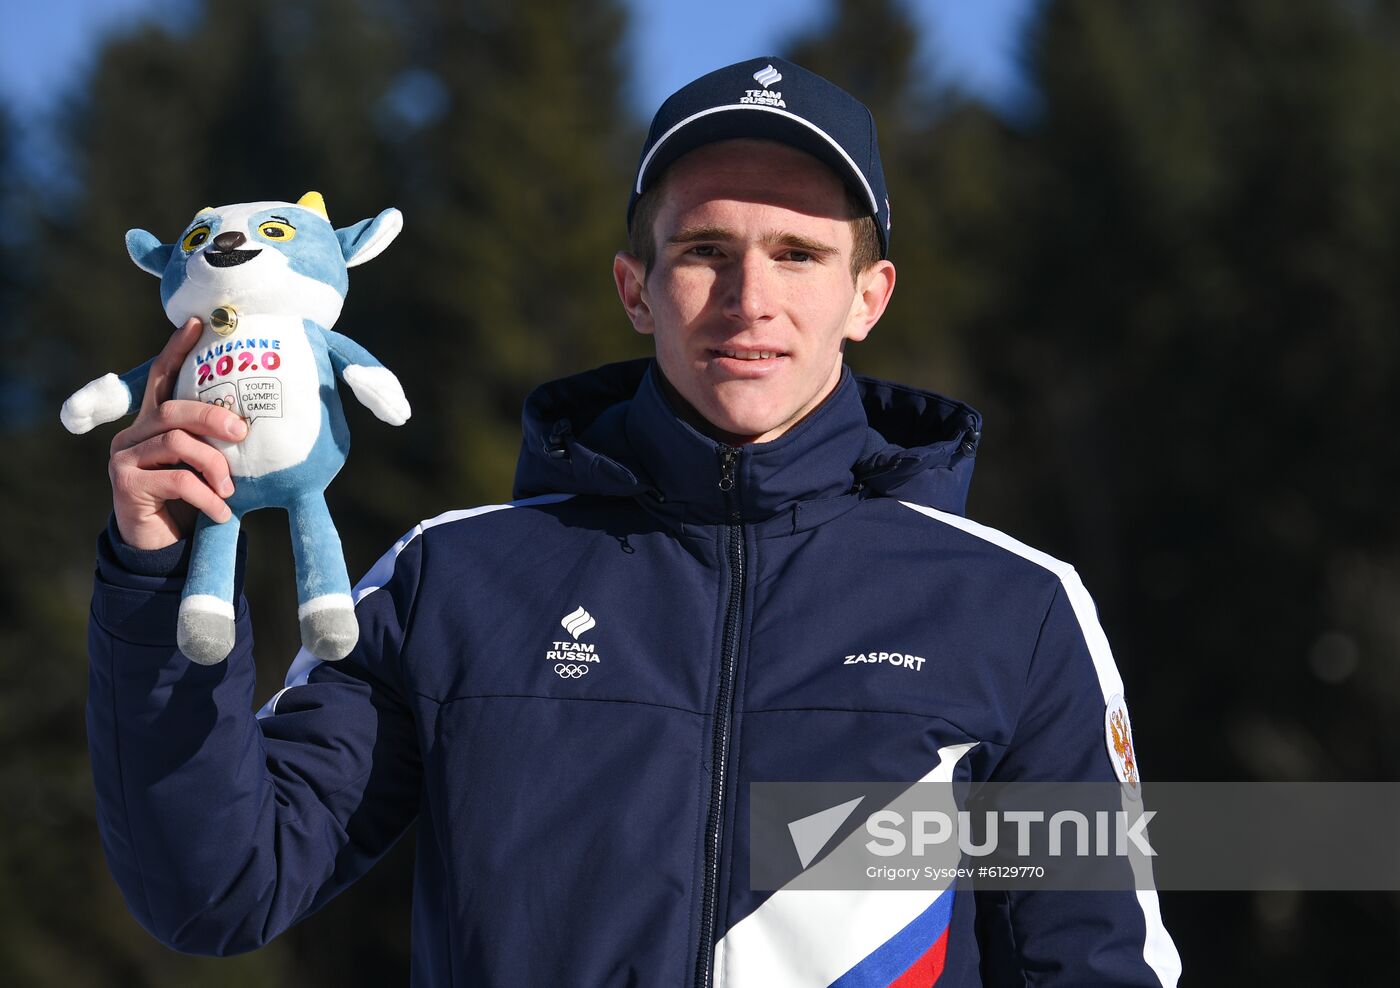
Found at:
[228, 241]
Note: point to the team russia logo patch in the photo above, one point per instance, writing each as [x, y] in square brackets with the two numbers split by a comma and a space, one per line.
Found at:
[570, 658]
[1118, 734]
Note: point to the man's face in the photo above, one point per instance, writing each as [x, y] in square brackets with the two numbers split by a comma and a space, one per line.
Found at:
[751, 297]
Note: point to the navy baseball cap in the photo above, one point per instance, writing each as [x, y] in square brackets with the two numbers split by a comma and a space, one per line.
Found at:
[774, 99]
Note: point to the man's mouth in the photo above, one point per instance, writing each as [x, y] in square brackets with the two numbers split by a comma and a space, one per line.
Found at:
[750, 354]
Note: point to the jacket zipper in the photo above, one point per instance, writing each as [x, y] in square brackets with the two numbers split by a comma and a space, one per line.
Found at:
[724, 704]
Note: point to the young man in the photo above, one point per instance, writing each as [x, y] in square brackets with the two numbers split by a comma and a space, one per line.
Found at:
[573, 691]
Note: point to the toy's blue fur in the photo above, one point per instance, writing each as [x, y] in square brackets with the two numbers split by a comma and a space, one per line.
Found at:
[319, 253]
[314, 255]
[135, 381]
[148, 252]
[320, 562]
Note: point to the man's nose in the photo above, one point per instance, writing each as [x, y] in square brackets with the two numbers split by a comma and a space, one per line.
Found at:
[749, 292]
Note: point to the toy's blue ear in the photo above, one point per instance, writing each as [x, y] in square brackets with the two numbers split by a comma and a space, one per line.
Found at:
[148, 252]
[365, 239]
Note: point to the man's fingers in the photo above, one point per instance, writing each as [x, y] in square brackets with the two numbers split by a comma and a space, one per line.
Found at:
[178, 446]
[182, 485]
[160, 383]
[151, 493]
[199, 418]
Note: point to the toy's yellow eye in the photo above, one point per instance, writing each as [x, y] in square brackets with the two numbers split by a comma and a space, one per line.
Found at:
[196, 237]
[273, 230]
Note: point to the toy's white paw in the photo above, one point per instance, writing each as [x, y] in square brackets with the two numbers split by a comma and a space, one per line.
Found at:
[96, 402]
[379, 391]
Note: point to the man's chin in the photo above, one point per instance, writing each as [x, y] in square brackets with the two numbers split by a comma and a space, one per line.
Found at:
[740, 427]
[748, 412]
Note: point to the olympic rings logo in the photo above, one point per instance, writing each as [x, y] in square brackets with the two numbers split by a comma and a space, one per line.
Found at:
[570, 670]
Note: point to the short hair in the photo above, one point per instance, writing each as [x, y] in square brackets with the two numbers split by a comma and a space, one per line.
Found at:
[865, 237]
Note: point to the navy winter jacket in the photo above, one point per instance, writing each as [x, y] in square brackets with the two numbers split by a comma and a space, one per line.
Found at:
[572, 692]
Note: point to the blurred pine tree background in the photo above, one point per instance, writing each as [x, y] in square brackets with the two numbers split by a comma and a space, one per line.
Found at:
[1169, 281]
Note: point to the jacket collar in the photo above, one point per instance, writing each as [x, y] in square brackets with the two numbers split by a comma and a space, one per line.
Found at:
[612, 432]
[813, 460]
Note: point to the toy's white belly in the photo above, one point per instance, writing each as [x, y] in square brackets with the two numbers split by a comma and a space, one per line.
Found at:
[265, 371]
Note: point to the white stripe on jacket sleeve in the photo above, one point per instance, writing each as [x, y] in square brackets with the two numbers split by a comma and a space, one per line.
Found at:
[1158, 950]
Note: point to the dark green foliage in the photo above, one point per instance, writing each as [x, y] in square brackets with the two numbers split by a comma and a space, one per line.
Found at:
[1189, 371]
[513, 208]
[1170, 286]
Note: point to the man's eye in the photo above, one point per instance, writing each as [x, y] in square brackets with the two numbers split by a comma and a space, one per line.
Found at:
[800, 255]
[705, 250]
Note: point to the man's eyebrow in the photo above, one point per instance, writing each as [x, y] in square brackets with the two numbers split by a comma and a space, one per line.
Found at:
[695, 234]
[798, 242]
[795, 241]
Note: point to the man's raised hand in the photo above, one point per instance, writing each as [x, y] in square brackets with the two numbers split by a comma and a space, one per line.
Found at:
[154, 496]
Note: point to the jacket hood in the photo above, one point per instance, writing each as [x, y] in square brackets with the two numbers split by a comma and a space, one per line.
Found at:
[611, 431]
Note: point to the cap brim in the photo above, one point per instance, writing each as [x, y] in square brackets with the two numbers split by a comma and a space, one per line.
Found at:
[758, 122]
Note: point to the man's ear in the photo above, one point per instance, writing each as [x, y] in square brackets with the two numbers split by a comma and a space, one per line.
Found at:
[630, 274]
[874, 286]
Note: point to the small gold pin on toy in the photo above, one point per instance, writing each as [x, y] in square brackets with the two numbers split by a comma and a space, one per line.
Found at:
[223, 320]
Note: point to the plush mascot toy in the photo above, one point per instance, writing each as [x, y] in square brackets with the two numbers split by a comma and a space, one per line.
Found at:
[267, 279]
